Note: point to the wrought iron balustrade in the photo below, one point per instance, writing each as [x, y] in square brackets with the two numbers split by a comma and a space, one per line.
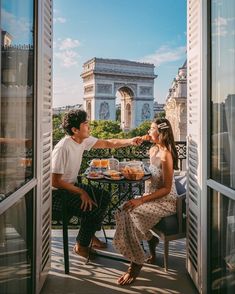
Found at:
[130, 153]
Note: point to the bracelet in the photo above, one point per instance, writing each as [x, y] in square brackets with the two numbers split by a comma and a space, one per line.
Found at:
[142, 200]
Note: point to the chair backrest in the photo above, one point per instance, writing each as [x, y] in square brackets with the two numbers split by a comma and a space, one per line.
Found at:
[180, 184]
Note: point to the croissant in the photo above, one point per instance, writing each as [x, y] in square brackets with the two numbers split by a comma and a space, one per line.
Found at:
[146, 138]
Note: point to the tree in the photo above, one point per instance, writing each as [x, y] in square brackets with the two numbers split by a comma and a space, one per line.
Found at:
[58, 131]
[105, 129]
[161, 114]
[141, 130]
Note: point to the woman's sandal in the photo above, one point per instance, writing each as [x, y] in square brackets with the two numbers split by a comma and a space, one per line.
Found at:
[131, 274]
[153, 242]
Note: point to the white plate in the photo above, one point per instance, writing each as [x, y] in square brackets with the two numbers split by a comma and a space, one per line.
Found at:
[107, 173]
[109, 178]
[95, 178]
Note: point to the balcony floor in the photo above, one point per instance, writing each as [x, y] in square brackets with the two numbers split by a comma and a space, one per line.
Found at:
[100, 275]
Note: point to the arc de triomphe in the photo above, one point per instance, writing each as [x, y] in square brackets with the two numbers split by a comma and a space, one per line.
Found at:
[103, 78]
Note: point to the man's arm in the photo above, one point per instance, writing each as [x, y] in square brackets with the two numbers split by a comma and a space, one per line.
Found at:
[59, 183]
[117, 143]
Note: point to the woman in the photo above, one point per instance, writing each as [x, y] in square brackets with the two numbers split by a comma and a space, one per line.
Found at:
[139, 215]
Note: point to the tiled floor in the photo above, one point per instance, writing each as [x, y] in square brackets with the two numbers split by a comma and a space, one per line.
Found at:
[99, 277]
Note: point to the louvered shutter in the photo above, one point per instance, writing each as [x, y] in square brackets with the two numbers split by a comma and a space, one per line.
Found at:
[196, 124]
[44, 142]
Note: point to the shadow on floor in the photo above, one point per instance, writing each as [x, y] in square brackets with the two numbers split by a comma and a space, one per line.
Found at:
[100, 276]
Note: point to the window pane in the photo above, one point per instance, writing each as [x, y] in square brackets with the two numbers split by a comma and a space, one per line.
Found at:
[16, 94]
[16, 247]
[223, 91]
[222, 244]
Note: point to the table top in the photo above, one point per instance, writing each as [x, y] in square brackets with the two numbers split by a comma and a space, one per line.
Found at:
[104, 179]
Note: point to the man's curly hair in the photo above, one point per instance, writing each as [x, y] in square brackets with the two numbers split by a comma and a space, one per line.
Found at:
[73, 119]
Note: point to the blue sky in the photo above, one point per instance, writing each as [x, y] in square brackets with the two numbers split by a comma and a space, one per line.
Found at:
[141, 30]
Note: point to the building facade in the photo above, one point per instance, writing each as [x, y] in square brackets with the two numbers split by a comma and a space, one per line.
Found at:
[158, 108]
[25, 144]
[62, 109]
[103, 78]
[176, 104]
[211, 145]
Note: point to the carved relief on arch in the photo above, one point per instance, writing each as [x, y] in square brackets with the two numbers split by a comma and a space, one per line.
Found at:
[104, 111]
[145, 113]
[146, 90]
[104, 88]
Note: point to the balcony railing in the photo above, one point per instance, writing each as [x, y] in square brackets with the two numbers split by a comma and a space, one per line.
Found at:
[131, 153]
[127, 153]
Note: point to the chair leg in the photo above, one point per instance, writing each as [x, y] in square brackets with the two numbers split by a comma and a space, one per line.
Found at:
[105, 236]
[166, 250]
[65, 234]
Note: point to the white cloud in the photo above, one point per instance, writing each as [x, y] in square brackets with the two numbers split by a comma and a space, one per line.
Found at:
[68, 43]
[165, 54]
[68, 58]
[59, 20]
[65, 51]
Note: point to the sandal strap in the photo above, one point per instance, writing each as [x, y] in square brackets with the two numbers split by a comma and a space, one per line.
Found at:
[134, 269]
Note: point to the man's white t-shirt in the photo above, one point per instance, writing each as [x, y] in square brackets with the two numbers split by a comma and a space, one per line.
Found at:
[67, 157]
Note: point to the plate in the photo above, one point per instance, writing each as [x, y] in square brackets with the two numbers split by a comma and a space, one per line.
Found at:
[111, 179]
[109, 172]
[95, 178]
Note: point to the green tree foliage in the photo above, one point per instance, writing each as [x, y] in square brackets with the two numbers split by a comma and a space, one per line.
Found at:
[103, 129]
[161, 114]
[58, 131]
[141, 130]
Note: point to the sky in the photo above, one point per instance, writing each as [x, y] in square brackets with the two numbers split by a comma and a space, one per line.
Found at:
[151, 31]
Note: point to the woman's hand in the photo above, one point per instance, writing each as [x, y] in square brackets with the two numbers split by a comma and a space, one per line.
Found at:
[133, 203]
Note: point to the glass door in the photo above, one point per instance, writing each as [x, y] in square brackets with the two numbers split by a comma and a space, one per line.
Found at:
[222, 142]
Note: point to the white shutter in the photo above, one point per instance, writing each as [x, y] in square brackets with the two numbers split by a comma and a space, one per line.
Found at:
[196, 124]
[44, 142]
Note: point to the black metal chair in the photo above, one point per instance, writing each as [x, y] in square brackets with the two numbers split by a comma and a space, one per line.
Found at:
[63, 216]
[173, 227]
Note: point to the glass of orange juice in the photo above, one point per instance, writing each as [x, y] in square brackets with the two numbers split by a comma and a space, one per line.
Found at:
[96, 163]
[104, 163]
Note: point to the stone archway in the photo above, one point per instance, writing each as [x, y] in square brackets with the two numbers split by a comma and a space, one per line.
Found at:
[127, 97]
[103, 78]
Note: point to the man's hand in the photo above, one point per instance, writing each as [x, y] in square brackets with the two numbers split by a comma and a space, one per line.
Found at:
[136, 141]
[87, 202]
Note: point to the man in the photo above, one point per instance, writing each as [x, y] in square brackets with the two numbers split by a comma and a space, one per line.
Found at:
[66, 162]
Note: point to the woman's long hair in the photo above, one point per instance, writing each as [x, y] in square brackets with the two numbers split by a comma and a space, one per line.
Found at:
[166, 137]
